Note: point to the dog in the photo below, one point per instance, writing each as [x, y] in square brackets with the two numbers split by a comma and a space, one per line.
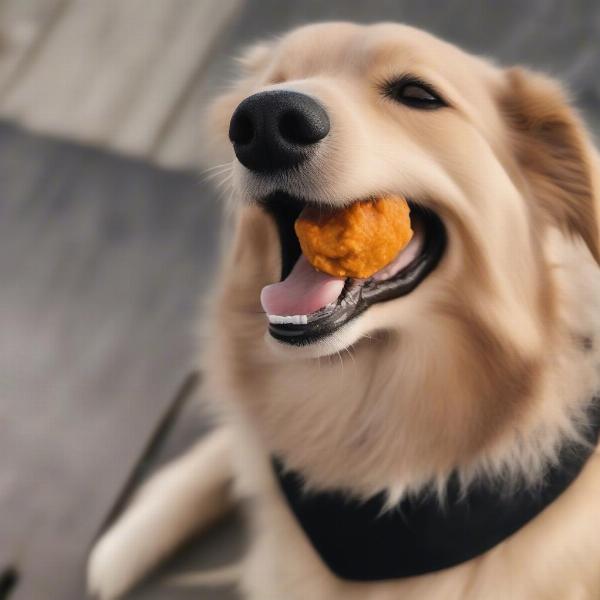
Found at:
[468, 378]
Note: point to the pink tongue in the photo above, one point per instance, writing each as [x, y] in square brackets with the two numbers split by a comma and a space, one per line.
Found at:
[302, 292]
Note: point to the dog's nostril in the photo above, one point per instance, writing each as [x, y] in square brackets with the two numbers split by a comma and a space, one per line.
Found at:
[241, 129]
[300, 127]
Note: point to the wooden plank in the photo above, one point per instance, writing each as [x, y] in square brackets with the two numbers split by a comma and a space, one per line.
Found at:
[133, 74]
[180, 64]
[112, 72]
[24, 26]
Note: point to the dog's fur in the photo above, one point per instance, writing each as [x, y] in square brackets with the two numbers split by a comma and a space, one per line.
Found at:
[485, 368]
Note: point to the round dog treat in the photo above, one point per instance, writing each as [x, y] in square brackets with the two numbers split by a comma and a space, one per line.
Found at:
[356, 241]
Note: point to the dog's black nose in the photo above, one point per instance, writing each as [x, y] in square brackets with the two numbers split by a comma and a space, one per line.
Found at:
[276, 130]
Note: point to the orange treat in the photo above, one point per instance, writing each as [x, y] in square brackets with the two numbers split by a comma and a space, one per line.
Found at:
[356, 241]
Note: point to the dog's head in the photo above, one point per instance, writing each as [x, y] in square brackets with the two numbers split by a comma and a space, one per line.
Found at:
[446, 352]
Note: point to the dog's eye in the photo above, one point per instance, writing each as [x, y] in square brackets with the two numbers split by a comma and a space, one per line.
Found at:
[414, 93]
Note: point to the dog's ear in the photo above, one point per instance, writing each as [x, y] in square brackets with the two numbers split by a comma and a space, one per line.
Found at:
[553, 152]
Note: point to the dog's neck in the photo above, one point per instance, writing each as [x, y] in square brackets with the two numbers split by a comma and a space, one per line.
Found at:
[370, 540]
[395, 417]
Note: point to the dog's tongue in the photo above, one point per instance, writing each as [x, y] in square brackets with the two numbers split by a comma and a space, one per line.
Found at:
[303, 291]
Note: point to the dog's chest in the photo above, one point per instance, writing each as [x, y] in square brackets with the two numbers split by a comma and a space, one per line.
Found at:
[555, 556]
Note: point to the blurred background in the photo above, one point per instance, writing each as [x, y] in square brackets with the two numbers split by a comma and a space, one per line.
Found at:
[109, 237]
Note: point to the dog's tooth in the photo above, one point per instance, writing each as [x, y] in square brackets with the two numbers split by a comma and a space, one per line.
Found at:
[288, 319]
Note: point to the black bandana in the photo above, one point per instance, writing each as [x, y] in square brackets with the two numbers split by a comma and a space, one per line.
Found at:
[360, 541]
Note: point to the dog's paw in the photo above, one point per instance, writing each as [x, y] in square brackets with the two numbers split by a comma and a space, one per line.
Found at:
[146, 532]
[112, 566]
[186, 496]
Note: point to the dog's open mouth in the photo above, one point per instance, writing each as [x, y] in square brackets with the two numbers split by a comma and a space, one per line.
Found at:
[306, 305]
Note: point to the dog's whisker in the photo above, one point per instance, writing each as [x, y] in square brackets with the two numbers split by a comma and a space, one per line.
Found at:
[351, 355]
[339, 355]
[215, 167]
[219, 169]
[216, 174]
[225, 181]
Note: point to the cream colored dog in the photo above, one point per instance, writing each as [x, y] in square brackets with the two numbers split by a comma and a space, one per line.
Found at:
[477, 354]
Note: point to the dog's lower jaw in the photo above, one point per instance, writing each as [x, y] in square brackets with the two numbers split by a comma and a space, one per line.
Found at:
[333, 344]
